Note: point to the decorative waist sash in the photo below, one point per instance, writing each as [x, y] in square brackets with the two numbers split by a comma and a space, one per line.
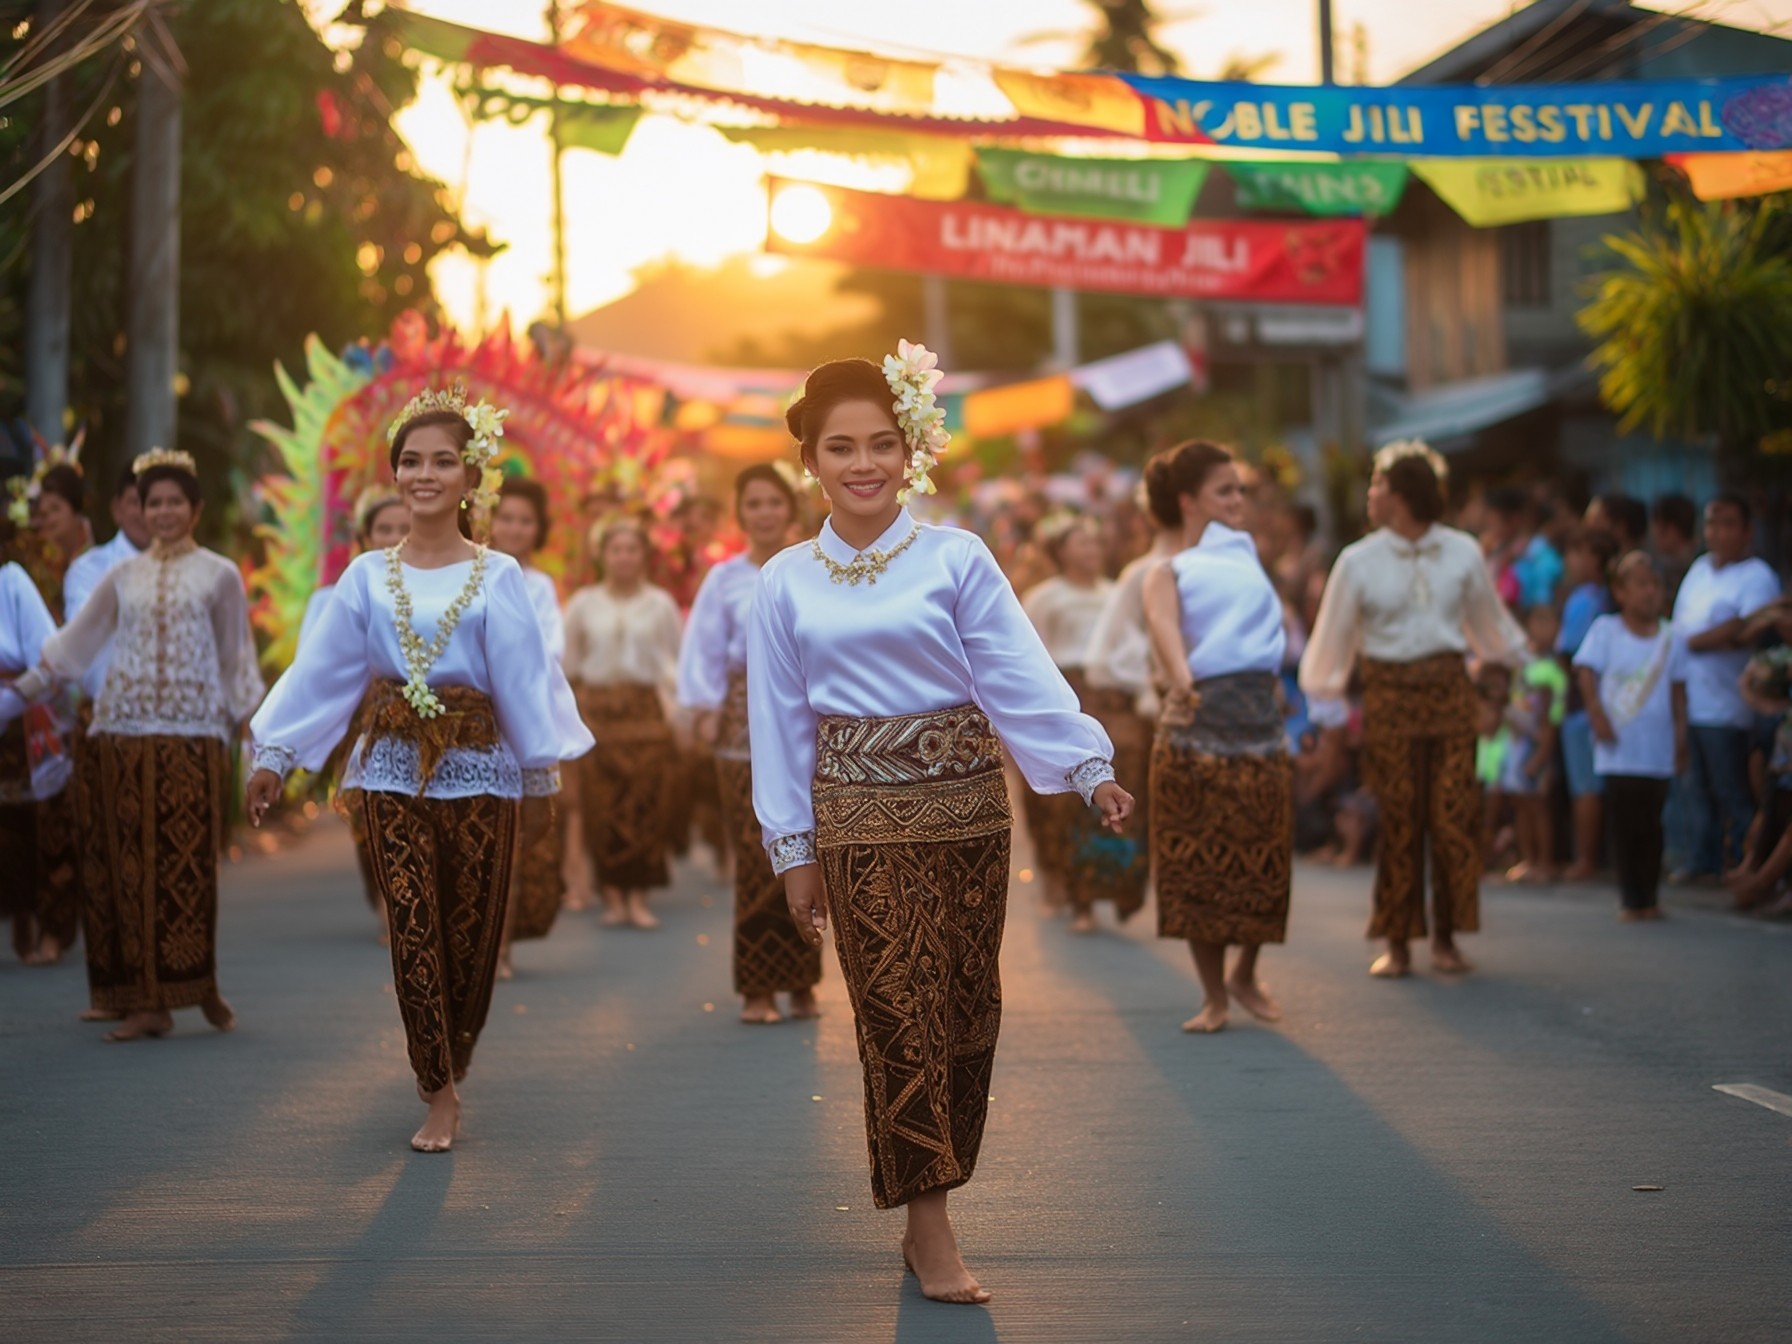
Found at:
[467, 722]
[1239, 714]
[1428, 697]
[915, 778]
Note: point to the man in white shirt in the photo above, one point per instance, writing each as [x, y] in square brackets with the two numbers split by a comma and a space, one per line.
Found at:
[92, 565]
[1722, 589]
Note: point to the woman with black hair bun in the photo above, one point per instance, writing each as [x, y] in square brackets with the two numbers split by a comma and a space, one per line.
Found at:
[469, 715]
[771, 956]
[1403, 608]
[181, 679]
[888, 666]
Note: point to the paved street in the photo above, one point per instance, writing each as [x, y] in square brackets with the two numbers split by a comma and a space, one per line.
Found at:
[1424, 1161]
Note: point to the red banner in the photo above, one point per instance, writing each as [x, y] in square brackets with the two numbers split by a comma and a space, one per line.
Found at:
[1261, 261]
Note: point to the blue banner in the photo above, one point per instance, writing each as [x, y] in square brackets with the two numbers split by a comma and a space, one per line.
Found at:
[1640, 120]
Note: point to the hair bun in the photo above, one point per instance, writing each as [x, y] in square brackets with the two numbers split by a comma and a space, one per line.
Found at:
[793, 418]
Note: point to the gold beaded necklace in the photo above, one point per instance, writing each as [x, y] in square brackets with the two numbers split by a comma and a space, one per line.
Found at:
[867, 565]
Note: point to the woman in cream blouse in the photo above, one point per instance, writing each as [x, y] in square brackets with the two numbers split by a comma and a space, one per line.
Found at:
[622, 638]
[1404, 607]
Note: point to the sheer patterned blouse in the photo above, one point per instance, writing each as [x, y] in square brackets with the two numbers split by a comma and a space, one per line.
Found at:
[1231, 614]
[182, 659]
[25, 623]
[715, 636]
[613, 640]
[1398, 601]
[940, 628]
[498, 648]
[1064, 614]
[84, 574]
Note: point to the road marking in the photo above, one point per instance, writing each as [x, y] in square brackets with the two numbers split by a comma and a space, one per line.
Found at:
[1761, 1096]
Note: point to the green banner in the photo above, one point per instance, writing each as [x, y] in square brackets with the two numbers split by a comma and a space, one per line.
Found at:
[604, 128]
[1143, 191]
[1368, 187]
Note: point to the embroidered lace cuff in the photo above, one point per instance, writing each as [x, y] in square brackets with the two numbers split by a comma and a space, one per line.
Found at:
[542, 783]
[278, 759]
[791, 851]
[1088, 775]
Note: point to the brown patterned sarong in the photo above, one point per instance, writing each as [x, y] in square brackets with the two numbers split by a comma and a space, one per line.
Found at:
[39, 852]
[1419, 763]
[536, 886]
[443, 867]
[626, 785]
[154, 812]
[770, 956]
[913, 834]
[1109, 867]
[1222, 823]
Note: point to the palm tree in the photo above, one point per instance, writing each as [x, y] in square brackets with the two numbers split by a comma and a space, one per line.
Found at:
[1126, 39]
[1694, 326]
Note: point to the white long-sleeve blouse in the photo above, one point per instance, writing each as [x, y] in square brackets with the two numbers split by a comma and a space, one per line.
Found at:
[1064, 613]
[941, 627]
[182, 658]
[498, 648]
[25, 623]
[1398, 601]
[614, 640]
[84, 574]
[1231, 614]
[545, 598]
[715, 634]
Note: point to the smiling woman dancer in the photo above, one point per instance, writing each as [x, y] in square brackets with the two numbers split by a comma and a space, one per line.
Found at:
[468, 715]
[770, 954]
[1222, 789]
[1408, 602]
[885, 658]
[182, 677]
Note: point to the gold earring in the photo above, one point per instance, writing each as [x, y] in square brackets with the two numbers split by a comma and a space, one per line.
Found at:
[463, 501]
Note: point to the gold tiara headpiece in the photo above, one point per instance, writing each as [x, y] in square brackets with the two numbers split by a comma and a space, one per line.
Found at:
[26, 490]
[165, 457]
[485, 420]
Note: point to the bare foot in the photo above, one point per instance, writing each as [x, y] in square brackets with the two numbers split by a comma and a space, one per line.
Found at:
[1255, 999]
[1209, 1020]
[1083, 921]
[140, 1025]
[638, 914]
[101, 1015]
[1519, 872]
[1446, 960]
[615, 913]
[218, 1012]
[576, 898]
[1579, 872]
[803, 1005]
[760, 1010]
[506, 971]
[47, 953]
[941, 1270]
[1653, 913]
[1631, 916]
[442, 1125]
[1393, 964]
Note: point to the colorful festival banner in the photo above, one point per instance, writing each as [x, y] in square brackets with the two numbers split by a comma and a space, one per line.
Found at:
[1723, 177]
[1360, 187]
[1150, 191]
[940, 163]
[1503, 191]
[1254, 260]
[1632, 120]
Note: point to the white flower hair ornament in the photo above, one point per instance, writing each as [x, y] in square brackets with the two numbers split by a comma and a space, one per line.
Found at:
[25, 491]
[484, 419]
[912, 373]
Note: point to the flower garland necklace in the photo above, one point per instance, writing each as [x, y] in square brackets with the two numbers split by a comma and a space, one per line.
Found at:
[419, 657]
[867, 565]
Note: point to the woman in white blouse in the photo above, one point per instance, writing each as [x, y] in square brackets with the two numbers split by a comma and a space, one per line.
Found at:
[182, 678]
[519, 529]
[770, 956]
[622, 655]
[888, 666]
[1222, 829]
[39, 886]
[469, 715]
[1064, 609]
[1403, 608]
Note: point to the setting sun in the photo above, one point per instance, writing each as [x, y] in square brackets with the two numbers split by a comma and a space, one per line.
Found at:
[800, 214]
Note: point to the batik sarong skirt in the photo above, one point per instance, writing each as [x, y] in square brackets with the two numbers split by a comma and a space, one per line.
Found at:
[913, 833]
[1222, 818]
[626, 785]
[770, 955]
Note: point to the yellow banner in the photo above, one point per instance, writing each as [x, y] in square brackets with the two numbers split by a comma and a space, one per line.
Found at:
[1723, 177]
[1486, 192]
[1100, 101]
[942, 165]
[1018, 406]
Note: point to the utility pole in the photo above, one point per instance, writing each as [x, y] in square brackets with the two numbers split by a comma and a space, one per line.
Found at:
[936, 318]
[1066, 336]
[559, 280]
[1327, 75]
[47, 295]
[153, 322]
